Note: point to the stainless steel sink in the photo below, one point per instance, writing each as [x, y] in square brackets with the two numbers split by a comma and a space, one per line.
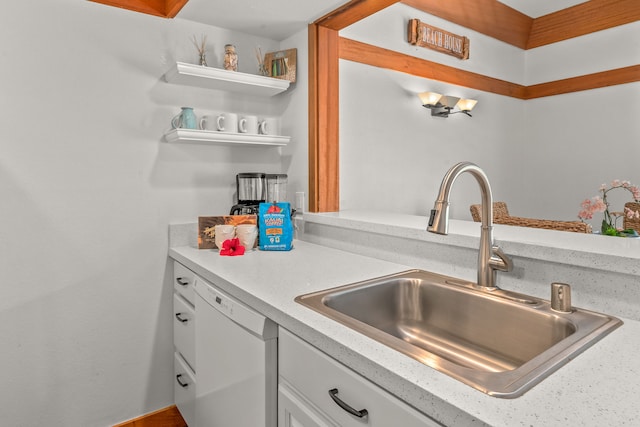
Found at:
[499, 342]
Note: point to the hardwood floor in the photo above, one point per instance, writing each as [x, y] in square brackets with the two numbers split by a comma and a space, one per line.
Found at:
[167, 417]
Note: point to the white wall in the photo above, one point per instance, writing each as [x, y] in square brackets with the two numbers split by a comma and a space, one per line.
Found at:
[543, 156]
[88, 187]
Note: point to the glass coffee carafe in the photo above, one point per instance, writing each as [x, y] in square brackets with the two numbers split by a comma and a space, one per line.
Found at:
[250, 191]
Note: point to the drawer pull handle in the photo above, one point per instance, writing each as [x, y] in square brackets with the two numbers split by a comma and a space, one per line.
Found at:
[182, 282]
[180, 318]
[180, 382]
[334, 395]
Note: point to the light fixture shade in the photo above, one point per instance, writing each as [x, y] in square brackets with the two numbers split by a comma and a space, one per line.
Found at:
[466, 104]
[429, 98]
[449, 101]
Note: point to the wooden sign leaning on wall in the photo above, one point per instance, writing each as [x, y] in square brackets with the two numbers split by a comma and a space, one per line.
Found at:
[421, 34]
[282, 64]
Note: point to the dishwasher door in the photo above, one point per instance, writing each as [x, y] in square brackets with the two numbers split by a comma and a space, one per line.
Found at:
[236, 359]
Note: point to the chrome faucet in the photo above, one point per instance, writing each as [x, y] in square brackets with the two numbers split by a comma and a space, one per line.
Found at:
[490, 256]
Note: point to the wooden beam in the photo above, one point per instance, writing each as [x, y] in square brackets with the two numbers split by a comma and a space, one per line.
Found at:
[172, 7]
[324, 181]
[587, 82]
[488, 17]
[363, 53]
[352, 12]
[163, 8]
[584, 18]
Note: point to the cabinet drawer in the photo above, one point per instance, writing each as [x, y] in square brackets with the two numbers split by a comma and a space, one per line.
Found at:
[184, 389]
[184, 338]
[183, 280]
[313, 374]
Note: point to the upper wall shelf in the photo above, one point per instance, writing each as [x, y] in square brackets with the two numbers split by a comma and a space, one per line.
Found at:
[217, 78]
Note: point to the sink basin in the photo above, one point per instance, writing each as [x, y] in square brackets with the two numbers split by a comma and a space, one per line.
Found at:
[499, 342]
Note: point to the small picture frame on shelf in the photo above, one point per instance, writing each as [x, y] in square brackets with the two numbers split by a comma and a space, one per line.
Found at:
[282, 64]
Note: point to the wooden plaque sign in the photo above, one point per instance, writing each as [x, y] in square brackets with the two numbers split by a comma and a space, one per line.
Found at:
[431, 37]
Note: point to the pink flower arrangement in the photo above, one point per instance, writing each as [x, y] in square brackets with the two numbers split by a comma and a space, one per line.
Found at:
[600, 204]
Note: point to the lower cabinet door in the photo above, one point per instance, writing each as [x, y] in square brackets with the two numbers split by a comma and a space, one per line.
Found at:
[294, 412]
[184, 389]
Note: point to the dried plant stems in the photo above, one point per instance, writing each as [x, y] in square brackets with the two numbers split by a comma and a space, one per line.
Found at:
[202, 46]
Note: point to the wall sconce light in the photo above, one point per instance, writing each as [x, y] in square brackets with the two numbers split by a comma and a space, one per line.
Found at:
[441, 105]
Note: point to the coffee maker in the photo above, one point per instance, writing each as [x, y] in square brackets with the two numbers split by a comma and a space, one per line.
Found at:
[251, 191]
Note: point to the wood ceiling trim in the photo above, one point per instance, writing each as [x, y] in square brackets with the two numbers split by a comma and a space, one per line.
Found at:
[352, 12]
[582, 19]
[162, 8]
[363, 53]
[488, 17]
[614, 77]
[172, 7]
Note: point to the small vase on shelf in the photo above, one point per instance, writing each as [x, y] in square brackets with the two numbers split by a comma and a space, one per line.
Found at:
[230, 58]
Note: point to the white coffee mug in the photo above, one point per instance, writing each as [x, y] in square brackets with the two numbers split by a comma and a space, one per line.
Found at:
[223, 232]
[247, 234]
[269, 126]
[248, 124]
[227, 122]
[208, 122]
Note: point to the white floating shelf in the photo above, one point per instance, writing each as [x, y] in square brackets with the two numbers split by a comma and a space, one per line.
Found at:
[232, 81]
[225, 138]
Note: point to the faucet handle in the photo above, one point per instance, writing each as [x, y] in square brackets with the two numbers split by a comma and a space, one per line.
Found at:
[499, 260]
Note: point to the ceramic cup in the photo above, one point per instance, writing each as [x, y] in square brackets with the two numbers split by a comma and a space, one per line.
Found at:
[223, 232]
[185, 120]
[208, 122]
[248, 124]
[247, 234]
[269, 126]
[227, 122]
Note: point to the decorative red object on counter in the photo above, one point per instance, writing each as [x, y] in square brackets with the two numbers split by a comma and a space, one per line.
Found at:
[232, 247]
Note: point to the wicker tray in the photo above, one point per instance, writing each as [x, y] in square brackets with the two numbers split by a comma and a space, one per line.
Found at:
[501, 216]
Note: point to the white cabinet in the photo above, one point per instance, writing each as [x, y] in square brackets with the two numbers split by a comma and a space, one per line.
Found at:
[184, 386]
[184, 319]
[295, 411]
[183, 282]
[230, 81]
[315, 390]
[184, 389]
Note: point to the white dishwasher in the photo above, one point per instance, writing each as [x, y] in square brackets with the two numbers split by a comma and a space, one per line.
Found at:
[237, 360]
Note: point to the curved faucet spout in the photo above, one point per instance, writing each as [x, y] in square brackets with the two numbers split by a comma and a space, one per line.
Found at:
[490, 257]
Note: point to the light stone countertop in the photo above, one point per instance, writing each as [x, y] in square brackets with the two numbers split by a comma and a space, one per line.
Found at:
[598, 388]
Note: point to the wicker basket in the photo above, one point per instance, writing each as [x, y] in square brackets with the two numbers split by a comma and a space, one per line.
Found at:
[632, 222]
[499, 211]
[501, 216]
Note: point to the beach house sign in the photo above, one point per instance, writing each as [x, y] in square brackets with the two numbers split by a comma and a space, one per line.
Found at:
[425, 35]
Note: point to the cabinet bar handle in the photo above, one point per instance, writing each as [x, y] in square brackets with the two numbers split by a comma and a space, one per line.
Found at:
[182, 282]
[180, 382]
[334, 395]
[180, 318]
